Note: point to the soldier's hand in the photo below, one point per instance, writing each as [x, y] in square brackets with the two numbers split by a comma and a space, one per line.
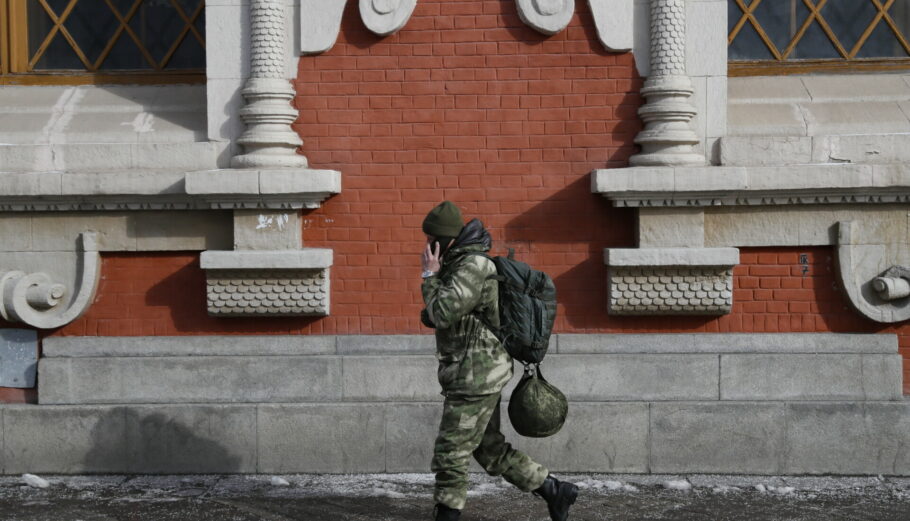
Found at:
[430, 258]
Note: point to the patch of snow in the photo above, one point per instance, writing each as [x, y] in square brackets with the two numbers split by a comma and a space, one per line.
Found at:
[35, 481]
[680, 484]
[782, 490]
[279, 482]
[629, 488]
[761, 488]
[724, 489]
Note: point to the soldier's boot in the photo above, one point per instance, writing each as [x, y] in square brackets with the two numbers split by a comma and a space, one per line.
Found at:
[559, 497]
[444, 513]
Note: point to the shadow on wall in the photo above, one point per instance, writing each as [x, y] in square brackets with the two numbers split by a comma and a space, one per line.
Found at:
[125, 440]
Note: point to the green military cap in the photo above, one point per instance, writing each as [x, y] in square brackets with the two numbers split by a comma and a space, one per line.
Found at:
[443, 221]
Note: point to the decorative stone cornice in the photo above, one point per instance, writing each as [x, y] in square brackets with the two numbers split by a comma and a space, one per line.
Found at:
[754, 186]
[167, 190]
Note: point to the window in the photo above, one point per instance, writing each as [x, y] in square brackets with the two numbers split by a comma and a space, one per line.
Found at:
[797, 36]
[101, 41]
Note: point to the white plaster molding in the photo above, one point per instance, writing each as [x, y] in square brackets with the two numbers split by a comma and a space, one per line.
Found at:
[546, 16]
[35, 299]
[320, 23]
[862, 266]
[667, 138]
[385, 17]
[615, 23]
[268, 140]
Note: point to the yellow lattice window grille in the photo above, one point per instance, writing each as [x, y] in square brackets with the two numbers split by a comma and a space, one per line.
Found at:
[796, 36]
[102, 41]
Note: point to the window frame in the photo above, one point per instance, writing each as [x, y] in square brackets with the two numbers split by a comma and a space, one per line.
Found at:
[14, 58]
[781, 66]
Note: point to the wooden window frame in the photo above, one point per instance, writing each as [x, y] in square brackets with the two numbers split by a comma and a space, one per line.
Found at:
[848, 61]
[14, 59]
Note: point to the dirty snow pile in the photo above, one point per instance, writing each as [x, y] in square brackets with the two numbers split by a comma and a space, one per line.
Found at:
[35, 481]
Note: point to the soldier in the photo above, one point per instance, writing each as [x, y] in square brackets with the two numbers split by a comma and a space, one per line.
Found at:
[473, 368]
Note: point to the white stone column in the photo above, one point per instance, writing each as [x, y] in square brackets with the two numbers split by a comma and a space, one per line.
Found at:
[268, 140]
[667, 138]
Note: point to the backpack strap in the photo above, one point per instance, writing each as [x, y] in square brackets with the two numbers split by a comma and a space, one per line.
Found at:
[497, 331]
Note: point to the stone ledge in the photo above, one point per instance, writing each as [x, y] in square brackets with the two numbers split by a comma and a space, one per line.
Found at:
[306, 258]
[166, 189]
[647, 257]
[398, 345]
[754, 185]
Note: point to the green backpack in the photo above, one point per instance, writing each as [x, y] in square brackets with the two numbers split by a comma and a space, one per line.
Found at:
[527, 309]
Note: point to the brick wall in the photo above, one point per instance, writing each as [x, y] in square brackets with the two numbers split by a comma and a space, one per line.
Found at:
[467, 103]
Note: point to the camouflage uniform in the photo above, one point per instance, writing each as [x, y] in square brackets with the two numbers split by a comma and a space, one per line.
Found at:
[473, 369]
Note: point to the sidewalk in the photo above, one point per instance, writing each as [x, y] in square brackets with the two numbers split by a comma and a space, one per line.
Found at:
[407, 497]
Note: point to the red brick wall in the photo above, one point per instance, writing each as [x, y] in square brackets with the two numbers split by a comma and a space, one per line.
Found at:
[467, 103]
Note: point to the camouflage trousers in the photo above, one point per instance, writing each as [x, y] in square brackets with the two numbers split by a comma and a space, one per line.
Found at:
[470, 425]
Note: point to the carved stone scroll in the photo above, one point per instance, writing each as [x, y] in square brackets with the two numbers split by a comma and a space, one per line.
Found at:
[385, 17]
[546, 16]
[875, 286]
[615, 22]
[35, 299]
[320, 22]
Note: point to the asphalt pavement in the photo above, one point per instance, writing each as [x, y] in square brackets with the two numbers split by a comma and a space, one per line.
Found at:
[406, 497]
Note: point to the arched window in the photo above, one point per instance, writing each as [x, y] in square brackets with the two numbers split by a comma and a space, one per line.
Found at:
[101, 41]
[796, 36]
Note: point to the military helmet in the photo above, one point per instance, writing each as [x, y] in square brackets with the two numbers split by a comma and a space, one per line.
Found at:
[537, 409]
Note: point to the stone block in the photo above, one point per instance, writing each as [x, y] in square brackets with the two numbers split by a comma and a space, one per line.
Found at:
[123, 183]
[31, 183]
[706, 38]
[765, 119]
[883, 148]
[597, 437]
[16, 231]
[180, 156]
[765, 150]
[208, 345]
[259, 230]
[767, 89]
[275, 259]
[847, 438]
[810, 377]
[210, 379]
[744, 227]
[65, 440]
[671, 227]
[710, 178]
[18, 358]
[892, 175]
[338, 438]
[386, 344]
[191, 439]
[303, 181]
[856, 87]
[227, 29]
[790, 343]
[96, 157]
[699, 100]
[390, 378]
[211, 182]
[223, 102]
[809, 176]
[634, 377]
[670, 290]
[618, 180]
[410, 432]
[729, 438]
[59, 231]
[190, 231]
[853, 117]
[716, 113]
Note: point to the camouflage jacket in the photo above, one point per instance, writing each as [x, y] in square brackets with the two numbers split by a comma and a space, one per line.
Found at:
[471, 360]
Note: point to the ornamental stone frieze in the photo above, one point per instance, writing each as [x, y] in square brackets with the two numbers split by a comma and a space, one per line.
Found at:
[320, 20]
